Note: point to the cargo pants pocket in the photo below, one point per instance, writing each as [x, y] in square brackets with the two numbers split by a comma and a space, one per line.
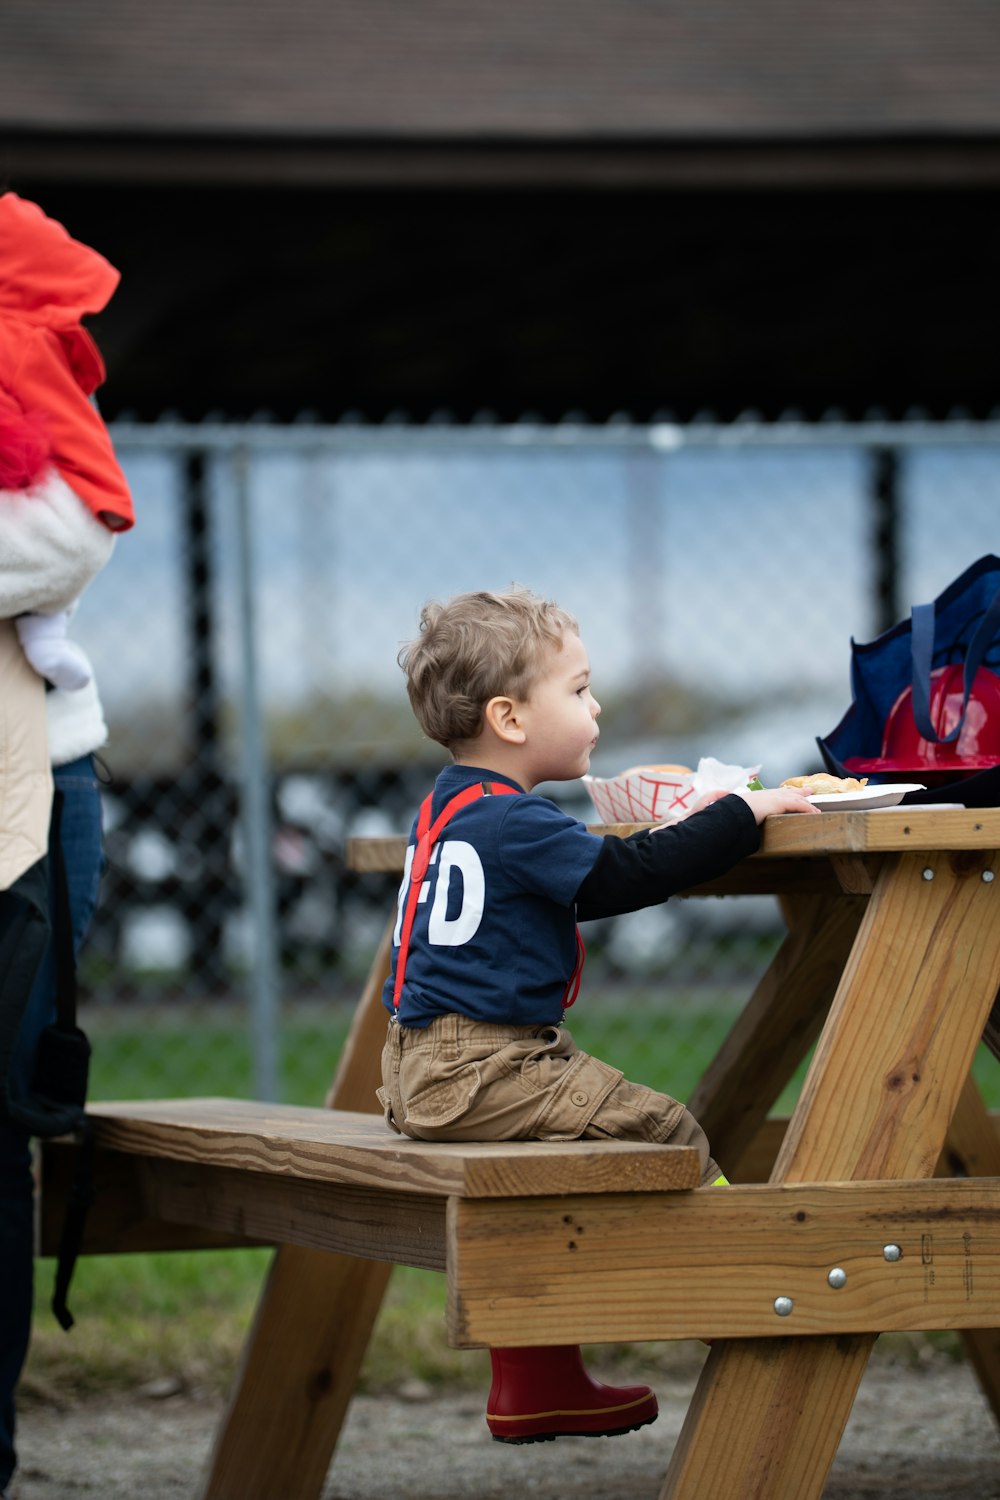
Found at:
[445, 1100]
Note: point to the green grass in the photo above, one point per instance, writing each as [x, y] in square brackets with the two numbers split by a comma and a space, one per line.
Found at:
[159, 1056]
[182, 1317]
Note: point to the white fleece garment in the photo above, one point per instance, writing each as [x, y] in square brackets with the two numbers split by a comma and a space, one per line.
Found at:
[51, 546]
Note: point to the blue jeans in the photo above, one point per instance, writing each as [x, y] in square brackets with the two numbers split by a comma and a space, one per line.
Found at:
[84, 860]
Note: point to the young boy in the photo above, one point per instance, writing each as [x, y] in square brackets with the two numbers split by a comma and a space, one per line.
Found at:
[486, 951]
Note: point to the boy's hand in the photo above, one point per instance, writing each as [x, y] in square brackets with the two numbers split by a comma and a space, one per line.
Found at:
[779, 799]
[763, 803]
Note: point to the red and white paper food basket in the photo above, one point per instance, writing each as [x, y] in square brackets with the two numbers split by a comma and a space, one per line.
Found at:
[642, 796]
[648, 795]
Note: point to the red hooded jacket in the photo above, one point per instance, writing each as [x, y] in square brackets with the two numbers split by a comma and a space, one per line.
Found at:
[50, 365]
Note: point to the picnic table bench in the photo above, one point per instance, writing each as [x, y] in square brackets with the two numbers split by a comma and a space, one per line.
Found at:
[892, 961]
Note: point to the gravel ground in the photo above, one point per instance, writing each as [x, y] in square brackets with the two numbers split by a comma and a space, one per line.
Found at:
[915, 1431]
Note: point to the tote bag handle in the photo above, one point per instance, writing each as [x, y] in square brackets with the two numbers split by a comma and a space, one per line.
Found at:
[922, 648]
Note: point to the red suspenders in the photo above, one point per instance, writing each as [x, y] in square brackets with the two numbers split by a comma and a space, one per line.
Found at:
[427, 836]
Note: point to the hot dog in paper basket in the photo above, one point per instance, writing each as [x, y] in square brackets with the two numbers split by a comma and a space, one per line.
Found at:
[660, 793]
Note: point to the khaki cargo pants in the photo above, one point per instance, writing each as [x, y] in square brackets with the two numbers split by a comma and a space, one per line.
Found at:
[463, 1080]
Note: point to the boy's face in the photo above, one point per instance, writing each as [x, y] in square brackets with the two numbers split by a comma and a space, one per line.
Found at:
[560, 714]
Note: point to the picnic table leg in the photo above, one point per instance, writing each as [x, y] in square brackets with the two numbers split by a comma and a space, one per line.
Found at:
[778, 1025]
[767, 1416]
[314, 1320]
[973, 1150]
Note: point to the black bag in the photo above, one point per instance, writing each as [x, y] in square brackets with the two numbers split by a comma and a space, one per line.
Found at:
[54, 1104]
[960, 629]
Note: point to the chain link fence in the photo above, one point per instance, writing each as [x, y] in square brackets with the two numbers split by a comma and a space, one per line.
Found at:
[245, 637]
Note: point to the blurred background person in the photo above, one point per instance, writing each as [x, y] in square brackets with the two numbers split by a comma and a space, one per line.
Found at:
[63, 498]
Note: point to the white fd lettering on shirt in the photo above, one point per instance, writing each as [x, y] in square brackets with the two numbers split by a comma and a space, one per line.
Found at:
[456, 856]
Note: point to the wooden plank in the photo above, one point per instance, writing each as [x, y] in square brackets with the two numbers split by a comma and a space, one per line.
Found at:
[345, 1146]
[855, 876]
[896, 829]
[880, 1093]
[314, 1320]
[147, 1204]
[359, 1071]
[296, 1378]
[842, 833]
[780, 1458]
[119, 1220]
[757, 1161]
[384, 856]
[778, 877]
[376, 856]
[776, 1028]
[375, 1224]
[905, 1025]
[710, 1264]
[152, 1203]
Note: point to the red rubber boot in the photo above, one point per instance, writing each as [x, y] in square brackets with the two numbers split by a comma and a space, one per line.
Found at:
[543, 1393]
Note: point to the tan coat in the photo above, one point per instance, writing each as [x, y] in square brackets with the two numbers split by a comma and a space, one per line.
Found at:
[25, 769]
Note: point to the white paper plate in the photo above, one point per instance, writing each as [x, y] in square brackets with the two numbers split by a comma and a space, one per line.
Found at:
[868, 797]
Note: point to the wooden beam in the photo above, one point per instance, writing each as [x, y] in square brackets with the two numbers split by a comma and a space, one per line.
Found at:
[314, 1320]
[901, 830]
[777, 1027]
[296, 1378]
[711, 1263]
[131, 1191]
[377, 1225]
[768, 1415]
[120, 1220]
[752, 877]
[841, 834]
[757, 1161]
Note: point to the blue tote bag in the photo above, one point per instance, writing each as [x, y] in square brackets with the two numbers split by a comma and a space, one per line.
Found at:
[946, 651]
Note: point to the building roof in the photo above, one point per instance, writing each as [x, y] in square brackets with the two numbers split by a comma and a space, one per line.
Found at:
[760, 204]
[524, 70]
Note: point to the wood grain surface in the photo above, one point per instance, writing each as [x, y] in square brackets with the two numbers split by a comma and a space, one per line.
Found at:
[347, 1146]
[710, 1264]
[880, 831]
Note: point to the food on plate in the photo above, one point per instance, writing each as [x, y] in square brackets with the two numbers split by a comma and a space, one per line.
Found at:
[821, 784]
[657, 770]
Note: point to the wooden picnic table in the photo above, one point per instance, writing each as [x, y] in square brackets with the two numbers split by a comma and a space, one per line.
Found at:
[876, 1207]
[892, 960]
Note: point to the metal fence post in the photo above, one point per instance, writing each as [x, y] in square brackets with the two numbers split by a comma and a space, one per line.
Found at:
[885, 536]
[256, 807]
[206, 788]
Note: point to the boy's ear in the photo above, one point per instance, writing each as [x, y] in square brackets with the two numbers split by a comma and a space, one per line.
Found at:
[501, 715]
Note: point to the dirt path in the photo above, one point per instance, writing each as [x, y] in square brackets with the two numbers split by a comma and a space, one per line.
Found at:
[924, 1433]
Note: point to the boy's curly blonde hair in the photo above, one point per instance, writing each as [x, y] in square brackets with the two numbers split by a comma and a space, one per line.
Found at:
[475, 647]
